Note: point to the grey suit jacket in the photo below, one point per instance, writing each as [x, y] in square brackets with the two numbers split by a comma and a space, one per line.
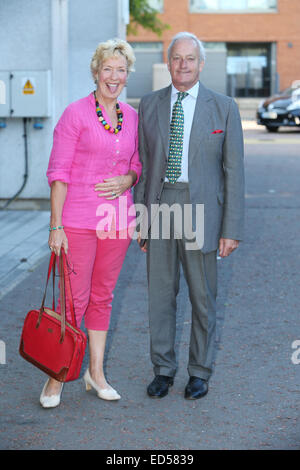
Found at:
[215, 161]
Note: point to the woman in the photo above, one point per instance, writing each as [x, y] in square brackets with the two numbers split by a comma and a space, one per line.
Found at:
[93, 164]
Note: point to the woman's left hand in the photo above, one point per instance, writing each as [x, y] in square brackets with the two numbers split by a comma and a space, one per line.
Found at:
[111, 188]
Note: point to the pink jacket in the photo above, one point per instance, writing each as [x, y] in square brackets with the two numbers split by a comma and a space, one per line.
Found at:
[83, 154]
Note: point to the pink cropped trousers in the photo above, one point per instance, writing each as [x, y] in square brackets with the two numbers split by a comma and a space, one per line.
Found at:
[94, 265]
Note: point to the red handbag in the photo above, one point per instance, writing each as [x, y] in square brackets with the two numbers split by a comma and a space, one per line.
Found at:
[48, 341]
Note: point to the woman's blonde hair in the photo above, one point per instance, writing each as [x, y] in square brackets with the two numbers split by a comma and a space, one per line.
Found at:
[112, 48]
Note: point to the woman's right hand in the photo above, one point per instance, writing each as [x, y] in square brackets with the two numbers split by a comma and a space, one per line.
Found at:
[58, 239]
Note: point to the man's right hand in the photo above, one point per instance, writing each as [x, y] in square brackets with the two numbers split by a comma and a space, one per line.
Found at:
[144, 247]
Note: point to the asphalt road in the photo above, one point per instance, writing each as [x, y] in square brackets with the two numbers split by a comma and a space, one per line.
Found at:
[254, 396]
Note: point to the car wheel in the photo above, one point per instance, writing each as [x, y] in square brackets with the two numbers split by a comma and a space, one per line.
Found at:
[272, 129]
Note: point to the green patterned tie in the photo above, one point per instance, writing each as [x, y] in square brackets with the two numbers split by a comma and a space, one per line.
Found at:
[176, 139]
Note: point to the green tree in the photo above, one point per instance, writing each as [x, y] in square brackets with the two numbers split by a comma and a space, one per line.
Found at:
[141, 13]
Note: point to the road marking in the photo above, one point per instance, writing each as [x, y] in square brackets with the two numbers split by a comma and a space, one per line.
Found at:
[272, 141]
[271, 194]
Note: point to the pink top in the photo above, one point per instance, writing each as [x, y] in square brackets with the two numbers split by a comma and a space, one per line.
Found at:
[84, 154]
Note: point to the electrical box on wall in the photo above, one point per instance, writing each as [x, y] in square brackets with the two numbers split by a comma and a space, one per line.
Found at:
[27, 93]
[30, 93]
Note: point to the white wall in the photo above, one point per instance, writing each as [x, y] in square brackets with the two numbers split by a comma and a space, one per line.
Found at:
[55, 35]
[93, 25]
[25, 44]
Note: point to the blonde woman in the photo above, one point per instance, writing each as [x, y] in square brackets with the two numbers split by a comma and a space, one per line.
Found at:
[93, 164]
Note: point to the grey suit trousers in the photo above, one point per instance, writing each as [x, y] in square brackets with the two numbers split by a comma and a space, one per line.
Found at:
[200, 270]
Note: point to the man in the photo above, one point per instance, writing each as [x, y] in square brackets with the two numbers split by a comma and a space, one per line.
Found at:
[191, 148]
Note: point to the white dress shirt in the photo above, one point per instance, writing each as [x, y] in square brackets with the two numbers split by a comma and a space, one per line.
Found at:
[188, 105]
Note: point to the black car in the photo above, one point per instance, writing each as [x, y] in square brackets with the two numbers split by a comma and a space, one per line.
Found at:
[282, 109]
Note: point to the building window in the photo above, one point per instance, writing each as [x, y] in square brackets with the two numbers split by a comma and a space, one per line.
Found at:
[248, 70]
[147, 54]
[232, 6]
[157, 5]
[147, 46]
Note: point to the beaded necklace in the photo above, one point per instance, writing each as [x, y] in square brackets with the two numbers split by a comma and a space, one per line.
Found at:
[106, 126]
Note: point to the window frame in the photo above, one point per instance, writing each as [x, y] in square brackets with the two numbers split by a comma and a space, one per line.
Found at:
[241, 11]
[160, 9]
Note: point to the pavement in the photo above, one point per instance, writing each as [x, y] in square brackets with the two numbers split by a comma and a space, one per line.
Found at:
[254, 393]
[23, 244]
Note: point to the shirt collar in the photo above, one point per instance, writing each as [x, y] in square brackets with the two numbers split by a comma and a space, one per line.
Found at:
[192, 91]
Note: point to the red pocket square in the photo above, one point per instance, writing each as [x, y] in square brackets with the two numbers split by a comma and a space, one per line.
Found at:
[217, 131]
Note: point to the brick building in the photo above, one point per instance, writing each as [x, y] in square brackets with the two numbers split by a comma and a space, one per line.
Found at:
[253, 46]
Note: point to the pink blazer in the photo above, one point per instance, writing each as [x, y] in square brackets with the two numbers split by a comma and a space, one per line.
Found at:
[83, 154]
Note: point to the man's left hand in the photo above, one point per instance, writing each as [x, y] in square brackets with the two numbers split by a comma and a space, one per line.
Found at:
[227, 246]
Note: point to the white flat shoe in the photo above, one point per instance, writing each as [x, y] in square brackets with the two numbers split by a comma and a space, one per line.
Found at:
[104, 393]
[50, 401]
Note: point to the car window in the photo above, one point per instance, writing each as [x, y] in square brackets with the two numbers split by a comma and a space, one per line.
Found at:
[290, 90]
[287, 91]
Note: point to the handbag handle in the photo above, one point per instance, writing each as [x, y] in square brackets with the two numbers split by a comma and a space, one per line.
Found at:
[65, 287]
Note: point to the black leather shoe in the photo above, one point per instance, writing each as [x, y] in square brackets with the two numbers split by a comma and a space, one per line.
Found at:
[196, 388]
[159, 387]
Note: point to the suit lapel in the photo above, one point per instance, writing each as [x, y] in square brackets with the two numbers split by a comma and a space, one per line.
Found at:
[202, 121]
[163, 116]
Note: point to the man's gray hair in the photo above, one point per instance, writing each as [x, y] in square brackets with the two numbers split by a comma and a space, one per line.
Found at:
[186, 35]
